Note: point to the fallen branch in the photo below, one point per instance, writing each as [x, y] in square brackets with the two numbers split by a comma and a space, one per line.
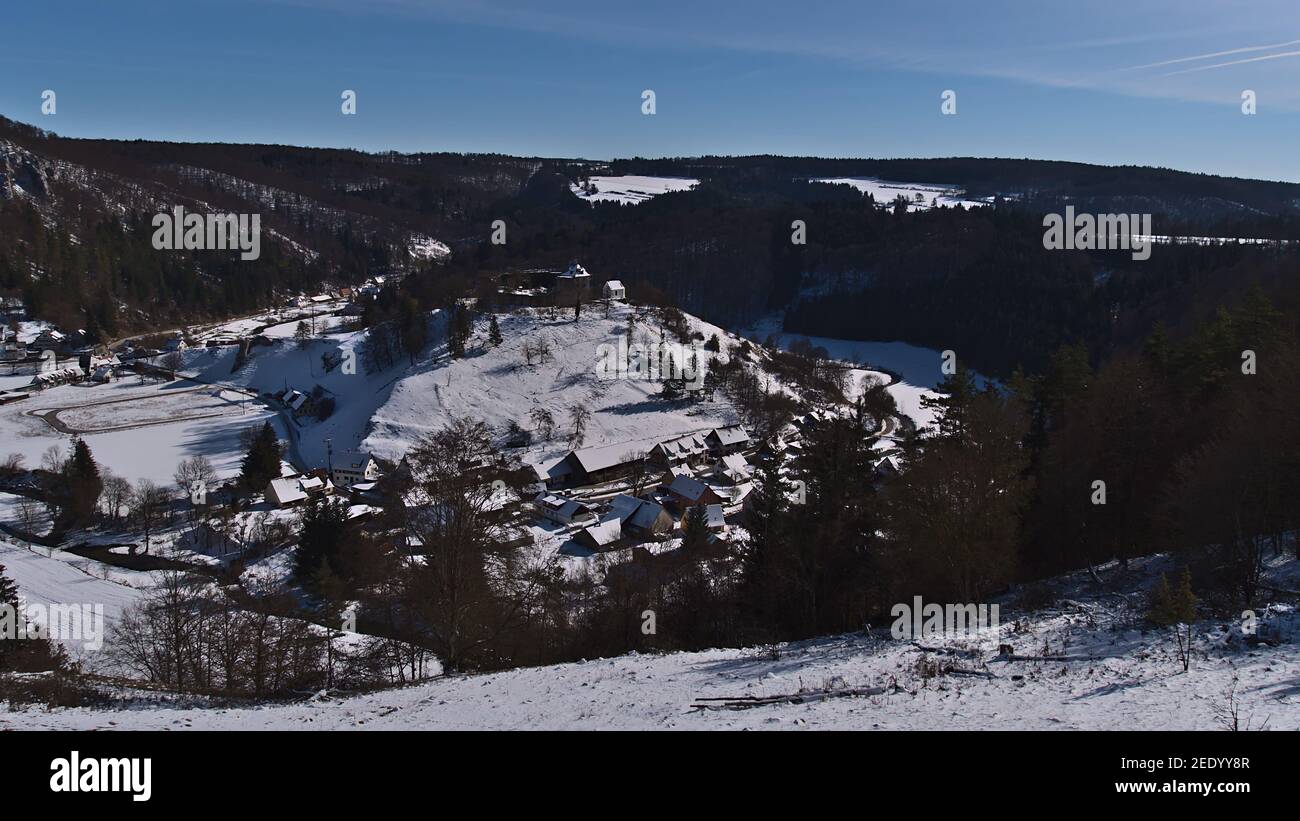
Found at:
[746, 702]
[1014, 657]
[978, 673]
[953, 651]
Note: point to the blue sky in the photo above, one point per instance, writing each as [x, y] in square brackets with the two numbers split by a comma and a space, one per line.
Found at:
[1151, 82]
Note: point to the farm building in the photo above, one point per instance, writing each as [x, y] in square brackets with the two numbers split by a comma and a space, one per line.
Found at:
[614, 290]
[600, 464]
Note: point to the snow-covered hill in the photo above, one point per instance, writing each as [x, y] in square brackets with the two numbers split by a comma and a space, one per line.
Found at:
[497, 385]
[1116, 674]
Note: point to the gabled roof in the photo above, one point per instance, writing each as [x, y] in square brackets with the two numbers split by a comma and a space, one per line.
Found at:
[605, 533]
[732, 435]
[634, 512]
[688, 488]
[687, 445]
[567, 508]
[713, 516]
[735, 462]
[286, 489]
[678, 470]
[601, 458]
[353, 460]
[614, 283]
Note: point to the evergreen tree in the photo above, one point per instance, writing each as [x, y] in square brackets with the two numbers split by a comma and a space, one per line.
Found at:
[695, 528]
[321, 534]
[262, 462]
[494, 331]
[82, 482]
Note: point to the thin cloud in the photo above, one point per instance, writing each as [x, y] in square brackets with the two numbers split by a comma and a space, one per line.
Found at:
[1277, 56]
[1211, 55]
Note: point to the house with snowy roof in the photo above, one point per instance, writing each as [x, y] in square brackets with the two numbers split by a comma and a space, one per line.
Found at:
[562, 510]
[687, 491]
[352, 466]
[682, 450]
[638, 516]
[287, 491]
[604, 535]
[572, 285]
[732, 468]
[600, 464]
[727, 440]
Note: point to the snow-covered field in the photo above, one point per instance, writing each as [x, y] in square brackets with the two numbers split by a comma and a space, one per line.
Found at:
[920, 195]
[20, 511]
[139, 431]
[631, 189]
[1118, 675]
[919, 367]
[48, 576]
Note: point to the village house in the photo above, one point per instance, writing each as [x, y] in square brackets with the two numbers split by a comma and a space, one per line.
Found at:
[560, 510]
[640, 517]
[352, 466]
[727, 440]
[292, 490]
[672, 473]
[714, 519]
[604, 535]
[686, 492]
[13, 350]
[682, 450]
[176, 343]
[62, 376]
[49, 340]
[732, 468]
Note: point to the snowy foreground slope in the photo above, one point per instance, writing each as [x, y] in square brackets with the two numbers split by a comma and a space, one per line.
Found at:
[1124, 678]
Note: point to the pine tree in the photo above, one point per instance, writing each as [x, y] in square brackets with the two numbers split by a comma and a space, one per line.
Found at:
[695, 528]
[321, 536]
[494, 331]
[262, 462]
[84, 484]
